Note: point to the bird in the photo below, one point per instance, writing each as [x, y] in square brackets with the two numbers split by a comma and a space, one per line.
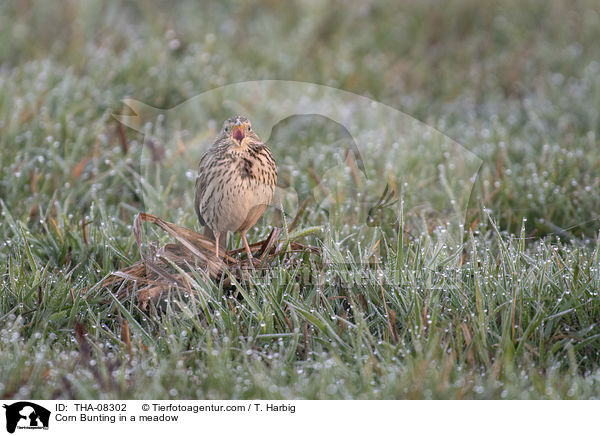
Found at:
[236, 181]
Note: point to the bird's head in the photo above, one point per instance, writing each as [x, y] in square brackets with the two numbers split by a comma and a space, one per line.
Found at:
[238, 131]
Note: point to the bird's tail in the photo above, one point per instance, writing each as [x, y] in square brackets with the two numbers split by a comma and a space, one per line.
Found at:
[222, 238]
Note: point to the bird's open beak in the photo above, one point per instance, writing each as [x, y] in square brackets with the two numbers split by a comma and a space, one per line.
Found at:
[239, 132]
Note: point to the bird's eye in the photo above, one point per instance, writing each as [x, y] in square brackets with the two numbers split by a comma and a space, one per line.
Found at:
[249, 127]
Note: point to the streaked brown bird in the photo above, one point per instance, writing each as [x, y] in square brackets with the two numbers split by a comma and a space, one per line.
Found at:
[236, 180]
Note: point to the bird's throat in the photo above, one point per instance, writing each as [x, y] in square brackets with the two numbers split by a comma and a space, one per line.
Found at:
[241, 145]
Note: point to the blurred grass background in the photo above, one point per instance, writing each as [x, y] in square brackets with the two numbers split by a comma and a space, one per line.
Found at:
[516, 82]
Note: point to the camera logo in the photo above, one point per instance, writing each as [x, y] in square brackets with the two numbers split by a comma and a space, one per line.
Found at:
[26, 415]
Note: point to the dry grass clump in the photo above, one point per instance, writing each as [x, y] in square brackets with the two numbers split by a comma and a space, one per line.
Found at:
[167, 268]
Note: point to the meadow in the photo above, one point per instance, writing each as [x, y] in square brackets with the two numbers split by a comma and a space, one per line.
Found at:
[501, 303]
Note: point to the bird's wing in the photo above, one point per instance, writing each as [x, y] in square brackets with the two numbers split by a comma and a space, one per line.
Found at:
[201, 184]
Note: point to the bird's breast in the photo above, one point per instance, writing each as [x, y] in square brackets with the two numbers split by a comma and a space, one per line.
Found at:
[240, 189]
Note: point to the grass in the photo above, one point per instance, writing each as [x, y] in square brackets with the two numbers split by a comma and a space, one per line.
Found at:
[509, 309]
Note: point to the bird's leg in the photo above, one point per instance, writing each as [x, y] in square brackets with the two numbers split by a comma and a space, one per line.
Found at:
[217, 237]
[247, 246]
